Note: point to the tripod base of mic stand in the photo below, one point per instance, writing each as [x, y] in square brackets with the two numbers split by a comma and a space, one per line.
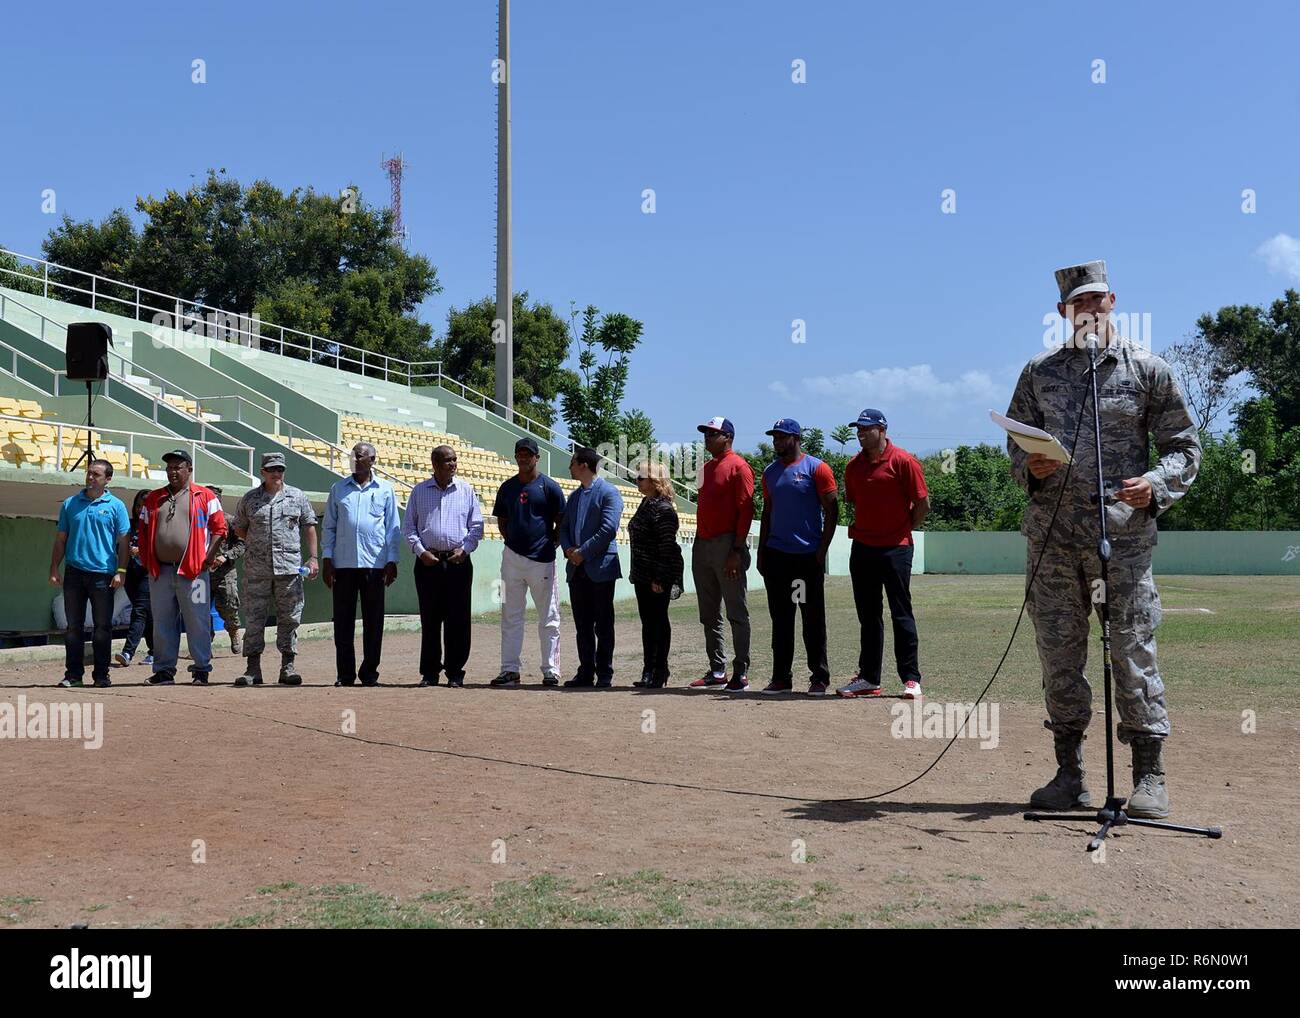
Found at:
[1112, 815]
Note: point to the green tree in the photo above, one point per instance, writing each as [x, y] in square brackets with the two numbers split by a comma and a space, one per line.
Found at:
[540, 344]
[843, 434]
[308, 261]
[591, 399]
[971, 488]
[1265, 343]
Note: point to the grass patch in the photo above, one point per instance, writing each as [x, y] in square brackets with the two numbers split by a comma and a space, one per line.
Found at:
[646, 898]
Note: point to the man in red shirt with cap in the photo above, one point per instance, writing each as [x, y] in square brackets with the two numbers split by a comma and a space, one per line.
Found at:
[720, 555]
[887, 488]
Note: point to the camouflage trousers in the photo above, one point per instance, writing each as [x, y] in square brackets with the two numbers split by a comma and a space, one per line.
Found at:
[225, 597]
[262, 594]
[1061, 601]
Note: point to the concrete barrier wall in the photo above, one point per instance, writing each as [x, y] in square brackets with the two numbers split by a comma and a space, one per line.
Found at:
[25, 550]
[1178, 552]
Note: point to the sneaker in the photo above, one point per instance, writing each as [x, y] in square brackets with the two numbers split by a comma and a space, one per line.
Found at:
[550, 679]
[739, 684]
[122, 660]
[818, 688]
[777, 686]
[248, 680]
[710, 681]
[161, 679]
[103, 683]
[68, 682]
[859, 687]
[911, 690]
[147, 659]
[200, 679]
[506, 680]
[455, 683]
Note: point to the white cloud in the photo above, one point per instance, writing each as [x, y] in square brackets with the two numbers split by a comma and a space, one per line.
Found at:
[1282, 253]
[897, 386]
[780, 389]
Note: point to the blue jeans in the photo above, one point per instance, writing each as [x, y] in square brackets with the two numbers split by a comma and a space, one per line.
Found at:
[79, 587]
[174, 598]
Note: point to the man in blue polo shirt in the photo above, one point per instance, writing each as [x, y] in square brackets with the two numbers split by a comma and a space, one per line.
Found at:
[800, 510]
[92, 530]
[529, 508]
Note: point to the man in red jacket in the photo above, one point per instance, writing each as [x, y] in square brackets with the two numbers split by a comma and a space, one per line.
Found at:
[181, 530]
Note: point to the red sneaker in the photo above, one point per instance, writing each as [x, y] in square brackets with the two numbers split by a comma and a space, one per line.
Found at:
[710, 681]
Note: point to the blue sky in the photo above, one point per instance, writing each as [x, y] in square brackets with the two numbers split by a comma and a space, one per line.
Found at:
[775, 201]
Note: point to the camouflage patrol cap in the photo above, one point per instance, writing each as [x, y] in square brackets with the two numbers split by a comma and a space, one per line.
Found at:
[1090, 277]
[272, 459]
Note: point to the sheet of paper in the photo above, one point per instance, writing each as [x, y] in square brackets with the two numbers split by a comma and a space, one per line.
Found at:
[1030, 438]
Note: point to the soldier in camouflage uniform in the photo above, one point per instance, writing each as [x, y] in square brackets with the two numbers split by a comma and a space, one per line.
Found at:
[273, 519]
[225, 584]
[1137, 396]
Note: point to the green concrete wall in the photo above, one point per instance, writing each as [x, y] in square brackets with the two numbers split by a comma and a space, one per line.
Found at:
[219, 391]
[1178, 552]
[312, 416]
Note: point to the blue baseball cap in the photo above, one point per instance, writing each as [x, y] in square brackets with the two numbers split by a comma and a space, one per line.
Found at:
[786, 426]
[718, 424]
[870, 419]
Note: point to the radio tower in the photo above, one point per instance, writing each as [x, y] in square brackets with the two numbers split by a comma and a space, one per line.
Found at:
[394, 167]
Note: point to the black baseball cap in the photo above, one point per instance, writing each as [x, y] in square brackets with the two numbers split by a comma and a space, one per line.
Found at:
[179, 454]
[529, 444]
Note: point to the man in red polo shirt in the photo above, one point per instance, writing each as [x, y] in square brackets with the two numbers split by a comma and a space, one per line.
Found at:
[886, 486]
[720, 555]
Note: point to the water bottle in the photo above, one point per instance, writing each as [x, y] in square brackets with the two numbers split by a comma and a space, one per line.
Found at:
[304, 571]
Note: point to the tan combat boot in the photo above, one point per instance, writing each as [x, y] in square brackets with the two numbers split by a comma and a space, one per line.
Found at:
[1150, 800]
[1066, 790]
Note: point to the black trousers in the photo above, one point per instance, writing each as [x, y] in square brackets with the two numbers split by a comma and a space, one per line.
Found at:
[80, 587]
[444, 593]
[593, 622]
[656, 631]
[891, 569]
[796, 582]
[137, 589]
[349, 584]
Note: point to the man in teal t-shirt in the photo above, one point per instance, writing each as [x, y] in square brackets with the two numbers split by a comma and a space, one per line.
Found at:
[93, 525]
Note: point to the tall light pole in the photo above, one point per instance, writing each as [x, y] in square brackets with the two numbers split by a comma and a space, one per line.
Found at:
[503, 328]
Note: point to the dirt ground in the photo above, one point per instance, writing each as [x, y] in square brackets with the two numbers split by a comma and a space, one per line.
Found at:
[413, 802]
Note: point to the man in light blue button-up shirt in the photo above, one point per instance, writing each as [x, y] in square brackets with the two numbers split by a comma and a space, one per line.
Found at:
[362, 535]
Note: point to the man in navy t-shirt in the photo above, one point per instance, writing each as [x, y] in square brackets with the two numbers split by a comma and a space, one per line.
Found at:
[800, 509]
[528, 509]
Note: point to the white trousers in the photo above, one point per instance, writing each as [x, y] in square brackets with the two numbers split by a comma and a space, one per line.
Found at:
[521, 576]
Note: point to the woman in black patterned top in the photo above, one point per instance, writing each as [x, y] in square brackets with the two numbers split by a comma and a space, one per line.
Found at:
[656, 568]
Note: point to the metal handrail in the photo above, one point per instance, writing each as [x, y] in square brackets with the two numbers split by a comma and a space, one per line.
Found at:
[76, 429]
[156, 402]
[316, 345]
[437, 377]
[557, 437]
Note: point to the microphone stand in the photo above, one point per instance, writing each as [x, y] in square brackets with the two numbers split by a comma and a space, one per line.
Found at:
[1111, 815]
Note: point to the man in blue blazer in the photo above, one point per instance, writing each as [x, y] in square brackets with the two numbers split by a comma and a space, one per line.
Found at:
[587, 539]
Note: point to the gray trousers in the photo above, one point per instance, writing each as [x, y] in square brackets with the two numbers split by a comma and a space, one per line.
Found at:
[1061, 603]
[713, 590]
[260, 593]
